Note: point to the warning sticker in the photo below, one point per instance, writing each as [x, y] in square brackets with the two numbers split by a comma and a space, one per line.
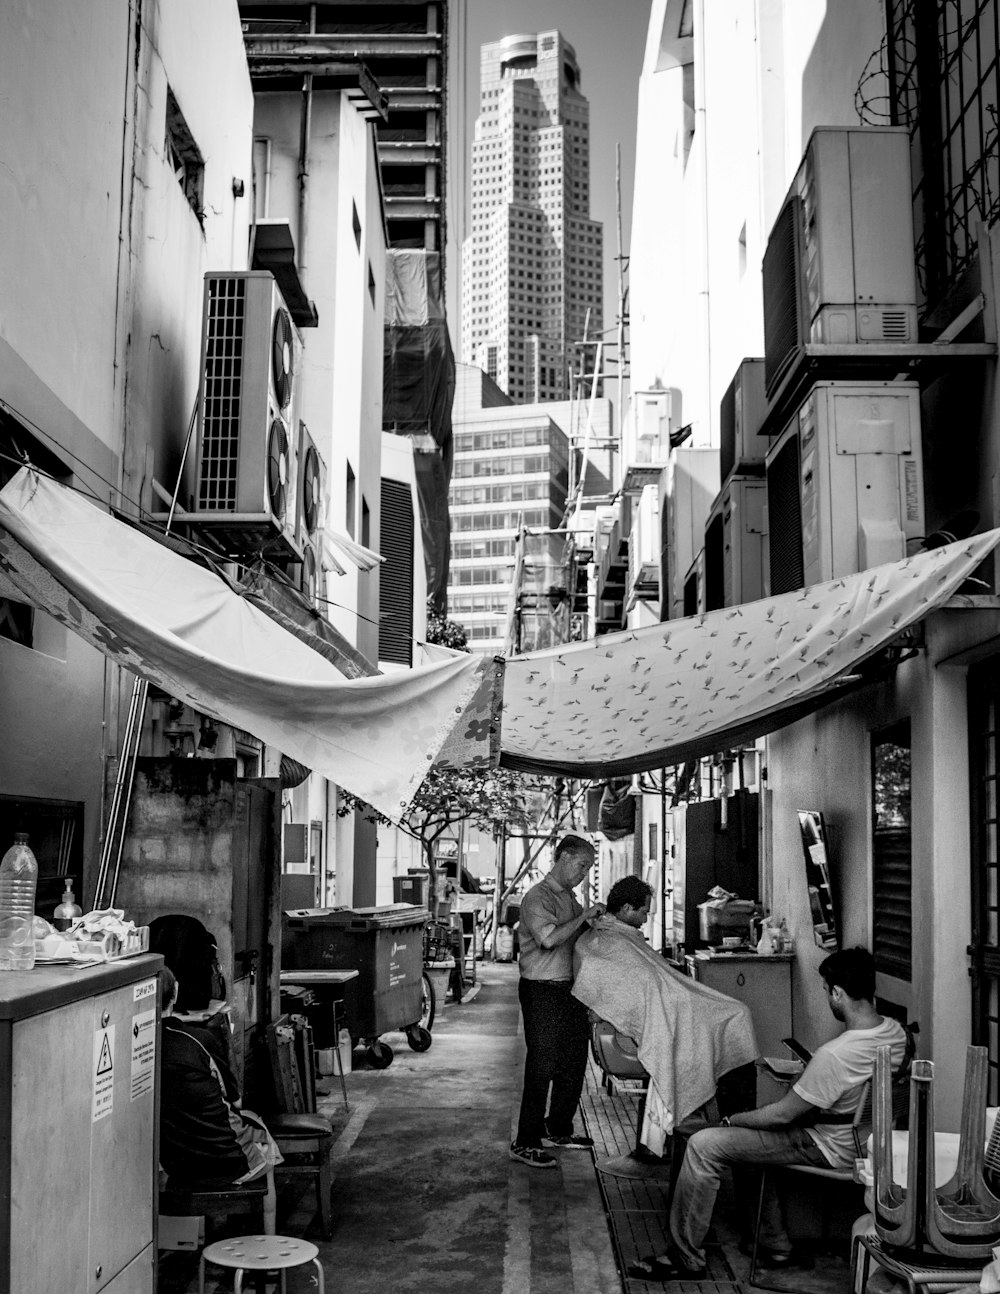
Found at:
[143, 1053]
[104, 1073]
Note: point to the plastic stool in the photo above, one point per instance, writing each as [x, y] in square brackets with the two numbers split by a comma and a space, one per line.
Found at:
[260, 1254]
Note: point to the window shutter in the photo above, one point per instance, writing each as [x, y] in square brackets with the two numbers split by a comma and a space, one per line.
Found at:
[395, 599]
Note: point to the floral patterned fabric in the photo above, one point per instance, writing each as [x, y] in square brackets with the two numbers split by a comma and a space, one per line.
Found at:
[184, 629]
[675, 691]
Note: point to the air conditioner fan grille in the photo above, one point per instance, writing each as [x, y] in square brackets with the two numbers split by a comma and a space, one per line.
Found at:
[223, 392]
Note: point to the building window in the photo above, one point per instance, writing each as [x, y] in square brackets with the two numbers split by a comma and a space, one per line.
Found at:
[371, 283]
[356, 223]
[184, 157]
[892, 852]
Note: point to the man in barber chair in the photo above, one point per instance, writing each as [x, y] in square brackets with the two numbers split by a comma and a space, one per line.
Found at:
[810, 1124]
[205, 1135]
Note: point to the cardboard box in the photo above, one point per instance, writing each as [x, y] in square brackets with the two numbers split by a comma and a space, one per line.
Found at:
[181, 1233]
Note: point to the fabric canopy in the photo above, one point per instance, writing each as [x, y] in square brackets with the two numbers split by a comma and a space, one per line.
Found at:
[671, 692]
[615, 705]
[186, 630]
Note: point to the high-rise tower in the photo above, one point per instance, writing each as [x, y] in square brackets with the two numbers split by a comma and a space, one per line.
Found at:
[531, 267]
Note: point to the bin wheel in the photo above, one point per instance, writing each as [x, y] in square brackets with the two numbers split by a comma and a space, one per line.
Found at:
[379, 1055]
[418, 1037]
[428, 1002]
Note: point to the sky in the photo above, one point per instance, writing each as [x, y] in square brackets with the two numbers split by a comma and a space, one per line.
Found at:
[609, 39]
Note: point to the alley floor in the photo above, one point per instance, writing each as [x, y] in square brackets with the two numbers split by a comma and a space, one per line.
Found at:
[426, 1198]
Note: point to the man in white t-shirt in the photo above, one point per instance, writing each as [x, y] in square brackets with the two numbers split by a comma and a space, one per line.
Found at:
[790, 1131]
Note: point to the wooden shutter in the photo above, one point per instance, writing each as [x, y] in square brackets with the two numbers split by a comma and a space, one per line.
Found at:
[395, 599]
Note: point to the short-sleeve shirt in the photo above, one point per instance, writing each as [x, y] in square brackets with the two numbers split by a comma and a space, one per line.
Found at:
[834, 1078]
[545, 906]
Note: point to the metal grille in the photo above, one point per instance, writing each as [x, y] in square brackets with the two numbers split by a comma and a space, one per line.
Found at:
[784, 510]
[943, 65]
[222, 395]
[984, 708]
[782, 299]
[892, 852]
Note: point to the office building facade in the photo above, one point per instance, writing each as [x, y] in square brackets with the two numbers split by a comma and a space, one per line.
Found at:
[531, 265]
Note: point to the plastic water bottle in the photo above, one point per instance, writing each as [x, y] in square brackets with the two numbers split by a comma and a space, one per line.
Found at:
[18, 877]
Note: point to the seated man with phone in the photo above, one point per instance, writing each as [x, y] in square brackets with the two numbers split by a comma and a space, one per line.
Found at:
[810, 1124]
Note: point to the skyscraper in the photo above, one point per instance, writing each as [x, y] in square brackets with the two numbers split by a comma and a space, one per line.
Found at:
[531, 267]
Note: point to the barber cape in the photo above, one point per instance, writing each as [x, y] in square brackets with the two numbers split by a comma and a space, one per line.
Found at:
[687, 1034]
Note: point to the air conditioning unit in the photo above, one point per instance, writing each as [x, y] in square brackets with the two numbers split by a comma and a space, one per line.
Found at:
[736, 544]
[839, 265]
[246, 461]
[694, 587]
[646, 448]
[644, 549]
[693, 484]
[742, 449]
[845, 483]
[310, 514]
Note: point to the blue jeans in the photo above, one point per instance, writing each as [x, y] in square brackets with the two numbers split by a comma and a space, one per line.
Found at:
[708, 1153]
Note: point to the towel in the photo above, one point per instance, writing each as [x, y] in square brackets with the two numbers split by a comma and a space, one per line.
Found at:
[687, 1034]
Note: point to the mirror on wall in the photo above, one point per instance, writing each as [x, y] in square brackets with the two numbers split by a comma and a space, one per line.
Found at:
[814, 846]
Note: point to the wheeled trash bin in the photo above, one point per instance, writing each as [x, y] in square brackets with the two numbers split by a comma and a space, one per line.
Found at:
[385, 946]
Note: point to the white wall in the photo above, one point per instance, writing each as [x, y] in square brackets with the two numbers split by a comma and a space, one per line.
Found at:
[101, 262]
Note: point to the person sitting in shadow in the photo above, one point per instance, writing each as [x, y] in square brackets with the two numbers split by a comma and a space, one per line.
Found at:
[206, 1137]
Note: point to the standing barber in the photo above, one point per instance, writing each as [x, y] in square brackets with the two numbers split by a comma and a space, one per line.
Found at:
[555, 1023]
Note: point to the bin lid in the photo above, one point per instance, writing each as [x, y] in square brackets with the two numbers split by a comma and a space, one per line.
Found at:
[385, 917]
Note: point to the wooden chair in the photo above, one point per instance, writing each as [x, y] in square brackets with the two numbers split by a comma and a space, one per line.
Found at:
[304, 1137]
[196, 1199]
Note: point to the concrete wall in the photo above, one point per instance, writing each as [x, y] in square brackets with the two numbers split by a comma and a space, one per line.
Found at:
[101, 263]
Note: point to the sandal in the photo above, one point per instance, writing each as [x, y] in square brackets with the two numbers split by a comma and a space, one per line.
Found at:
[650, 1268]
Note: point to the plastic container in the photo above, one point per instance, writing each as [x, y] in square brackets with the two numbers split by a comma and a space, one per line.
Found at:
[385, 946]
[67, 910]
[18, 878]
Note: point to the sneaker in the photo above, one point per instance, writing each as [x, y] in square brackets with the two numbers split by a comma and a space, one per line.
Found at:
[572, 1142]
[533, 1156]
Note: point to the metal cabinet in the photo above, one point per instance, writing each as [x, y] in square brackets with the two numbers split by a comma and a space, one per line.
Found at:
[78, 1137]
[763, 983]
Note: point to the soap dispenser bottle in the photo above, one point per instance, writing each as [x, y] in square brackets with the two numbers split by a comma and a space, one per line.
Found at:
[68, 909]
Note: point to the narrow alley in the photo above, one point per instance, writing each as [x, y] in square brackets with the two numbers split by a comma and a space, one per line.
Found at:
[426, 1198]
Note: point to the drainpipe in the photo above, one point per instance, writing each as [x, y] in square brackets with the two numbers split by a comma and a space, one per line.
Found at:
[304, 137]
[701, 127]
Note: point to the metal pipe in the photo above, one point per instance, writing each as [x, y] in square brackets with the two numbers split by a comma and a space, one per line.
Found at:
[304, 138]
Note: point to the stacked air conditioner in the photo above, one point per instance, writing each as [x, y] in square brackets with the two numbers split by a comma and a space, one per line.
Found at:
[692, 486]
[247, 444]
[736, 544]
[644, 548]
[646, 447]
[844, 472]
[844, 483]
[310, 512]
[839, 265]
[736, 533]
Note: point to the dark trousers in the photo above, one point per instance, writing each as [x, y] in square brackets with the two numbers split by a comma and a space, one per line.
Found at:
[555, 1034]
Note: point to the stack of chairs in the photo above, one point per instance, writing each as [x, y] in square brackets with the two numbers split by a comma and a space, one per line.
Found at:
[932, 1237]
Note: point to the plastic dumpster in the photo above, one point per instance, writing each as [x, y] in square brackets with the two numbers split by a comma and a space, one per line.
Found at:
[385, 945]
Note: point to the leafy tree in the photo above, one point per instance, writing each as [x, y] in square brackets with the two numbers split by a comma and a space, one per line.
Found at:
[486, 798]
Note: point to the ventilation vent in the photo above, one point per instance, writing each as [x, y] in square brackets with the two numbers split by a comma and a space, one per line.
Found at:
[311, 490]
[784, 507]
[782, 301]
[727, 432]
[277, 468]
[895, 325]
[220, 432]
[715, 576]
